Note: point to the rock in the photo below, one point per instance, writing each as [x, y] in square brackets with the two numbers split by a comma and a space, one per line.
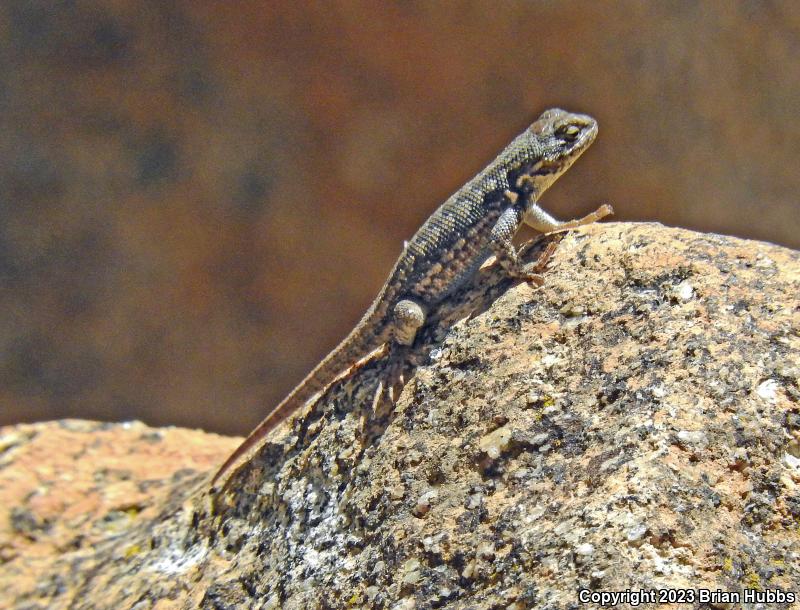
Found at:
[75, 494]
[635, 535]
[583, 552]
[670, 428]
[424, 502]
[695, 438]
[494, 443]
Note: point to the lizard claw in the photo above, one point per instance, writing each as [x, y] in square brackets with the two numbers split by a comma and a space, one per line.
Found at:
[530, 273]
[387, 388]
[394, 380]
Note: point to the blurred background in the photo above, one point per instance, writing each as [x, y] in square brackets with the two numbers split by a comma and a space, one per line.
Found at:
[198, 199]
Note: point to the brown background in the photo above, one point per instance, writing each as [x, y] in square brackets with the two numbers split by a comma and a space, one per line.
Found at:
[198, 199]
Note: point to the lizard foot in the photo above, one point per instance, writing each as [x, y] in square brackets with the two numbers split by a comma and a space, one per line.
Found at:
[395, 377]
[529, 273]
[601, 212]
[532, 272]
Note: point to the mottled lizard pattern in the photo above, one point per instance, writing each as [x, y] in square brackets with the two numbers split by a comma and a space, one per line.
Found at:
[477, 221]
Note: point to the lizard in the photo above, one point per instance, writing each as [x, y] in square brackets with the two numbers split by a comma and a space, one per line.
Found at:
[477, 221]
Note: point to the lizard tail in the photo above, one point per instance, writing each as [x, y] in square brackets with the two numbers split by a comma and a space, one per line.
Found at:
[362, 340]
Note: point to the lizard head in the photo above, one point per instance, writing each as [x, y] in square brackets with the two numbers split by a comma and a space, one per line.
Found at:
[553, 143]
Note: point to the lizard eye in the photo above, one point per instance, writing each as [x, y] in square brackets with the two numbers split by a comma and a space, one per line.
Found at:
[568, 132]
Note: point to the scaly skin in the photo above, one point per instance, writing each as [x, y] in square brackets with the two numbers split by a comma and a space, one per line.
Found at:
[479, 220]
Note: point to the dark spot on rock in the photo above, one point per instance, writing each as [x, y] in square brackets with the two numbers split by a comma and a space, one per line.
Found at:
[612, 391]
[183, 473]
[26, 523]
[155, 436]
[468, 363]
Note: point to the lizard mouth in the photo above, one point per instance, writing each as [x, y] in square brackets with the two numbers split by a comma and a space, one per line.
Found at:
[547, 166]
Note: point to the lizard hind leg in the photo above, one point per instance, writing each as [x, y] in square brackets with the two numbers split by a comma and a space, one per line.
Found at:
[408, 318]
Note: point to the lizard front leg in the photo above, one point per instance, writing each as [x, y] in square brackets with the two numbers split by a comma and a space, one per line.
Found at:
[540, 220]
[500, 243]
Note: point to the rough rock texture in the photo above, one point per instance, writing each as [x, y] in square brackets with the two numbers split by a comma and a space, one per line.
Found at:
[635, 423]
[71, 492]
